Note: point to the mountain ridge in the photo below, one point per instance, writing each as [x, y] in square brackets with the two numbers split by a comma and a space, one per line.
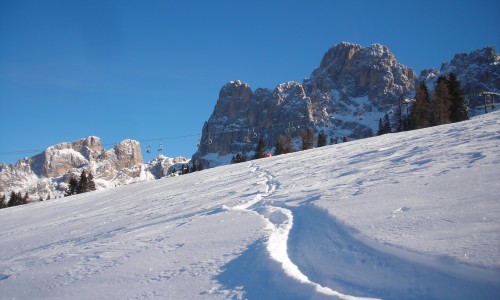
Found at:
[346, 95]
[46, 174]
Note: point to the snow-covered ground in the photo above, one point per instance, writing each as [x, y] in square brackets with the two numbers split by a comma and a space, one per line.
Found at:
[414, 215]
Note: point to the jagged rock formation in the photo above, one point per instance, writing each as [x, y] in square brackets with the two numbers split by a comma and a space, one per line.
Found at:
[477, 71]
[47, 174]
[372, 71]
[162, 166]
[353, 87]
[345, 96]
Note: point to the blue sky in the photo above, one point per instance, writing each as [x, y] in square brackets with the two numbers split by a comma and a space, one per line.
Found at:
[153, 69]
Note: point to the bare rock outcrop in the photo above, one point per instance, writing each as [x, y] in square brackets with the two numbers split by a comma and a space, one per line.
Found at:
[47, 174]
[345, 96]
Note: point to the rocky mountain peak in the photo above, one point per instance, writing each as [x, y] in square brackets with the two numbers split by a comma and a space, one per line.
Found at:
[339, 56]
[233, 97]
[351, 81]
[345, 96]
[59, 159]
[477, 71]
[47, 173]
[486, 55]
[363, 71]
[125, 154]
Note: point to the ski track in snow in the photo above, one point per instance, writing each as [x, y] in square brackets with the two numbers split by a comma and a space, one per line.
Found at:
[280, 222]
[338, 245]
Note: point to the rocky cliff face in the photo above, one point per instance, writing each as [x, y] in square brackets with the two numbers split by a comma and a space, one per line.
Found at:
[46, 174]
[345, 96]
[477, 71]
[353, 87]
[358, 72]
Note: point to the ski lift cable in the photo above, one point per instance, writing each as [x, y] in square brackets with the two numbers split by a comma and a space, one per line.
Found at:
[252, 129]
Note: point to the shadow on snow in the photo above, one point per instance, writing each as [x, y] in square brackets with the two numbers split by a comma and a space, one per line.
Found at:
[329, 255]
[260, 277]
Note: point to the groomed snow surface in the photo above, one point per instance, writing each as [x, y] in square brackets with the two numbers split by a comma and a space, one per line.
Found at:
[414, 215]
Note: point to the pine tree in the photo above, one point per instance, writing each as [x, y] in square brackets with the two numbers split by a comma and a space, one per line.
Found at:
[441, 102]
[16, 199]
[279, 149]
[72, 187]
[283, 145]
[90, 182]
[458, 110]
[321, 139]
[387, 124]
[420, 112]
[380, 127]
[307, 137]
[83, 184]
[398, 117]
[238, 158]
[384, 126]
[344, 140]
[12, 199]
[259, 151]
[2, 202]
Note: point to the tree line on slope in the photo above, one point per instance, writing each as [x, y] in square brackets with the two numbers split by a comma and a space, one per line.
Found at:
[75, 186]
[445, 105]
[284, 145]
[84, 185]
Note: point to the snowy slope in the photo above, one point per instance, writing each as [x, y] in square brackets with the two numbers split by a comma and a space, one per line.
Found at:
[414, 215]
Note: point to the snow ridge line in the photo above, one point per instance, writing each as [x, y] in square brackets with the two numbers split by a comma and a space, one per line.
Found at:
[279, 223]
